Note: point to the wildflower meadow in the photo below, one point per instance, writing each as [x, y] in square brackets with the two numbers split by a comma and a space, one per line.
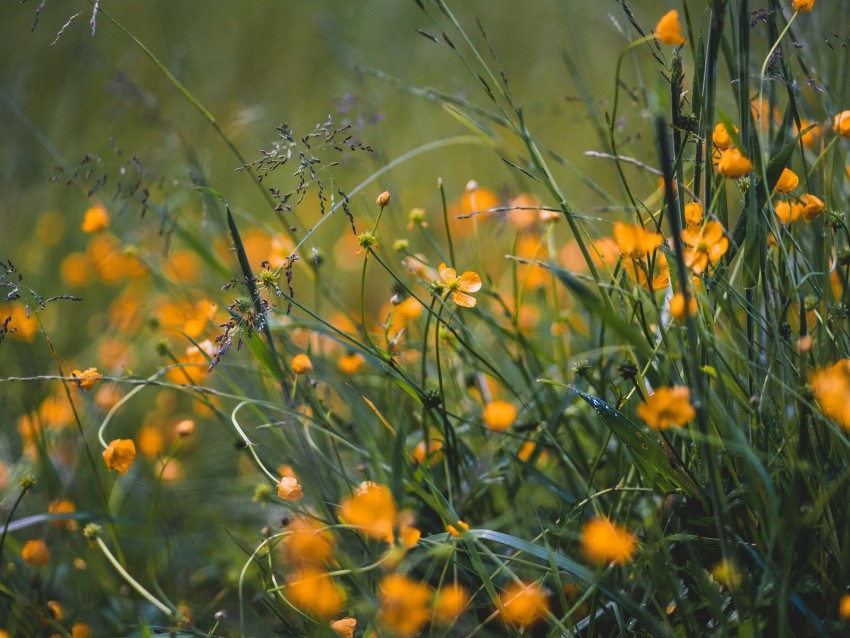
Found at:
[425, 318]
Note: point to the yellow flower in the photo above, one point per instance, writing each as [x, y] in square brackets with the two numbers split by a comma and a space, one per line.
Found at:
[788, 212]
[499, 415]
[733, 164]
[372, 510]
[812, 206]
[694, 213]
[523, 604]
[638, 268]
[606, 542]
[635, 242]
[87, 378]
[704, 247]
[677, 306]
[844, 607]
[96, 220]
[831, 387]
[383, 199]
[289, 489]
[63, 506]
[727, 574]
[804, 5]
[315, 592]
[308, 543]
[301, 364]
[668, 30]
[841, 124]
[404, 604]
[350, 363]
[787, 182]
[667, 407]
[721, 138]
[454, 531]
[35, 553]
[432, 453]
[451, 601]
[458, 286]
[120, 454]
[81, 630]
[344, 627]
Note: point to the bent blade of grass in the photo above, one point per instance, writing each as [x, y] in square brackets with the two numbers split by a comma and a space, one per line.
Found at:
[653, 465]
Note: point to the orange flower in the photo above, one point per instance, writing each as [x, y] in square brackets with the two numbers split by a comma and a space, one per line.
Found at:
[788, 212]
[22, 323]
[476, 199]
[733, 164]
[184, 428]
[289, 489]
[804, 5]
[308, 542]
[499, 415]
[638, 268]
[86, 379]
[383, 199]
[454, 531]
[667, 407]
[451, 601]
[668, 30]
[721, 138]
[705, 247]
[787, 182]
[344, 627]
[35, 553]
[694, 213]
[315, 592]
[372, 510]
[841, 124]
[844, 607]
[812, 206]
[606, 542]
[95, 220]
[523, 604]
[63, 506]
[458, 286]
[677, 306]
[831, 387]
[120, 454]
[350, 363]
[81, 630]
[433, 453]
[635, 242]
[301, 364]
[404, 604]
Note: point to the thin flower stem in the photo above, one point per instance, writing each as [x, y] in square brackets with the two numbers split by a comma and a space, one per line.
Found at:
[144, 593]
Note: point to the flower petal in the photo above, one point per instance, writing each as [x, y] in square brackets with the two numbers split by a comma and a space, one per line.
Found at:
[447, 274]
[463, 300]
[469, 281]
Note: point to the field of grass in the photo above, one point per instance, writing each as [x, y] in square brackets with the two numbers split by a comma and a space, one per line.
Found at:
[425, 318]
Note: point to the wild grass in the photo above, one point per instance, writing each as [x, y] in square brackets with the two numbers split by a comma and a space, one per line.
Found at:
[493, 413]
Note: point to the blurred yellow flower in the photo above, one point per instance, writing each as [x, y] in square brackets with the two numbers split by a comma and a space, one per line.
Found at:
[81, 630]
[677, 306]
[119, 455]
[450, 603]
[35, 553]
[727, 574]
[667, 407]
[301, 364]
[315, 592]
[459, 286]
[831, 387]
[86, 379]
[704, 247]
[289, 489]
[787, 182]
[523, 604]
[454, 531]
[350, 363]
[812, 206]
[63, 506]
[844, 607]
[668, 30]
[733, 164]
[841, 124]
[694, 213]
[804, 5]
[603, 541]
[721, 138]
[404, 604]
[308, 542]
[372, 510]
[95, 220]
[634, 241]
[499, 415]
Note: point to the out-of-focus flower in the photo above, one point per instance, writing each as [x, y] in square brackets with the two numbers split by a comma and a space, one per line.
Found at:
[119, 455]
[455, 530]
[63, 506]
[668, 30]
[35, 553]
[459, 286]
[315, 592]
[733, 164]
[301, 364]
[721, 138]
[499, 415]
[727, 574]
[677, 306]
[841, 124]
[694, 213]
[523, 604]
[804, 5]
[372, 510]
[308, 542]
[289, 489]
[603, 541]
[86, 379]
[634, 241]
[404, 604]
[844, 607]
[450, 603]
[350, 363]
[667, 407]
[95, 220]
[704, 247]
[831, 387]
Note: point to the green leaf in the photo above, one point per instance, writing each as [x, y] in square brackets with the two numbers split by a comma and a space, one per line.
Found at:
[655, 467]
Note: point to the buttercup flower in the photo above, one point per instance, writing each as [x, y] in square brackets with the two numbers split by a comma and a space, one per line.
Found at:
[350, 363]
[677, 306]
[95, 220]
[721, 138]
[383, 199]
[635, 242]
[841, 124]
[455, 531]
[812, 206]
[119, 455]
[667, 407]
[606, 542]
[63, 506]
[459, 286]
[804, 5]
[372, 510]
[499, 415]
[289, 489]
[733, 164]
[844, 607]
[704, 247]
[404, 604]
[87, 378]
[694, 213]
[668, 30]
[523, 604]
[35, 553]
[451, 601]
[831, 387]
[308, 543]
[315, 592]
[788, 212]
[344, 627]
[787, 182]
[301, 364]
